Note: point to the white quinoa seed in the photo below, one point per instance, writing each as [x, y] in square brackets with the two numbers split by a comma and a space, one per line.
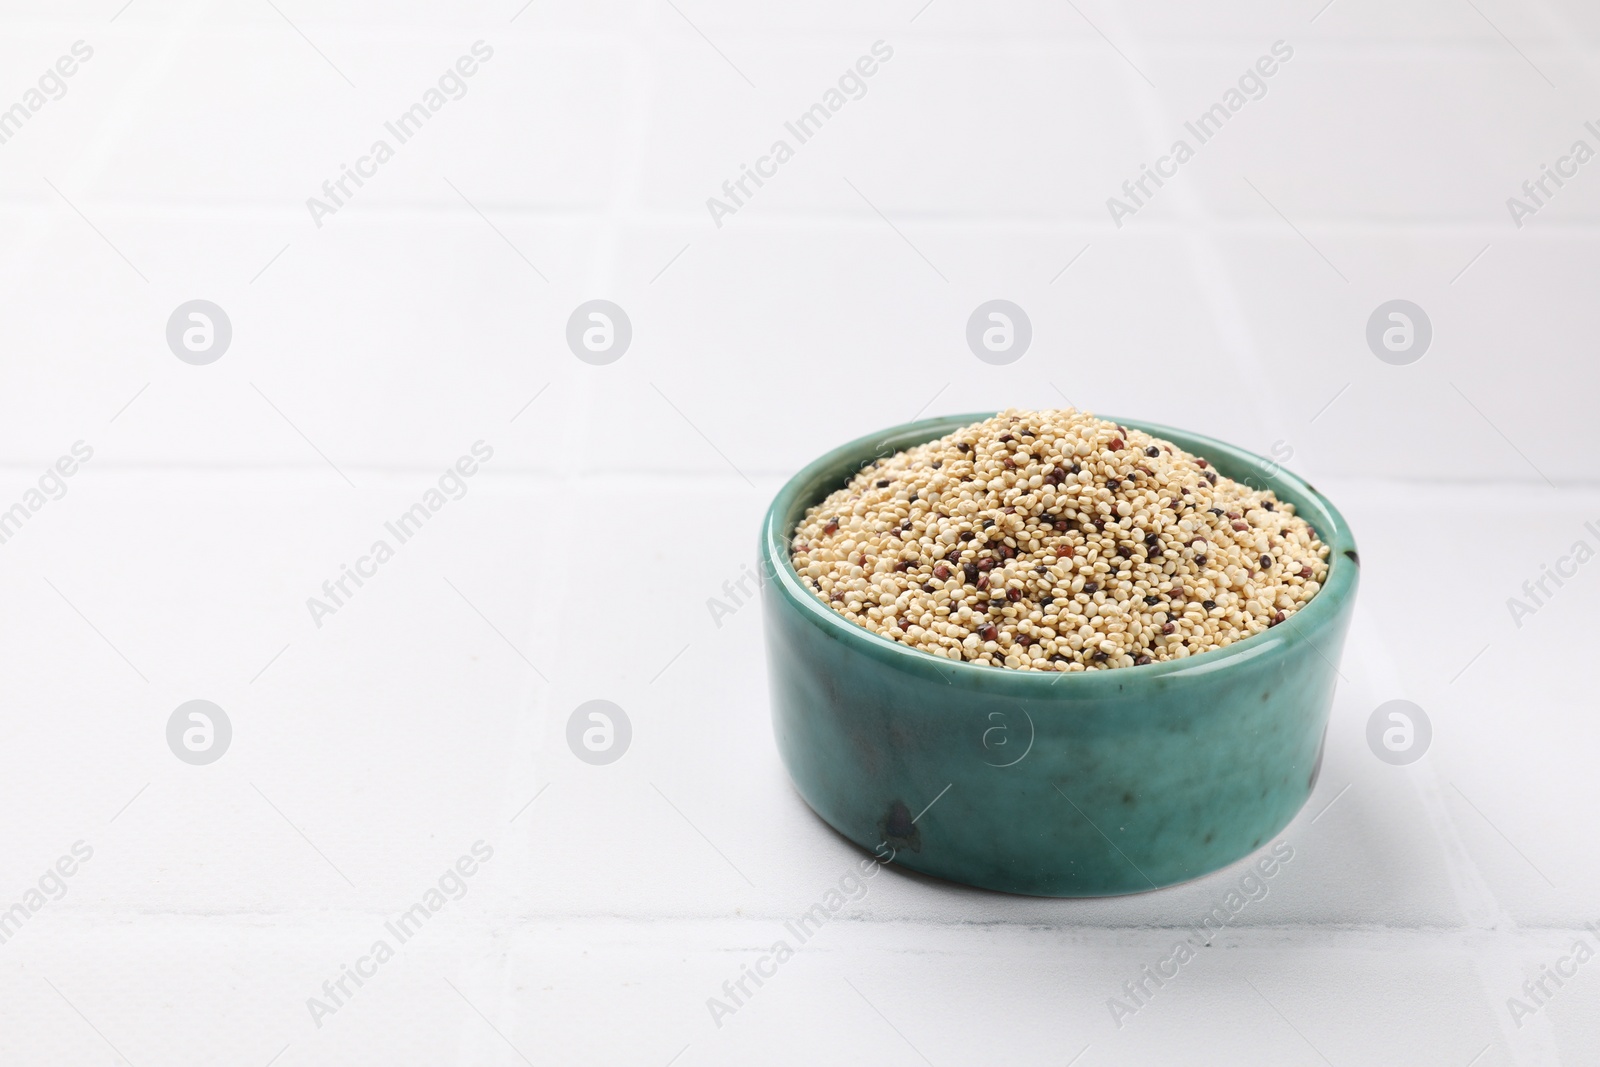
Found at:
[1053, 540]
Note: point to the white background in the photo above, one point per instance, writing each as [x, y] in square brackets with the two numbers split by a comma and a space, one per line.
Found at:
[372, 351]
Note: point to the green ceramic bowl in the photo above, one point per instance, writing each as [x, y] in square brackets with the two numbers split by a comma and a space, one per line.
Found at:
[1067, 785]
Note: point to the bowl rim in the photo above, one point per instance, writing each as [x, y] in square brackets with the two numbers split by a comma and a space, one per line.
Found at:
[1320, 614]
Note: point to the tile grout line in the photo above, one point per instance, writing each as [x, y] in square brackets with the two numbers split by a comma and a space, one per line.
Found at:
[95, 152]
[974, 220]
[1032, 922]
[1530, 1041]
[540, 729]
[1197, 227]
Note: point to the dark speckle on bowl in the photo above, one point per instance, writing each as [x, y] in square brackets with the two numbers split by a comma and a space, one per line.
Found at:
[1354, 556]
[899, 830]
[1316, 764]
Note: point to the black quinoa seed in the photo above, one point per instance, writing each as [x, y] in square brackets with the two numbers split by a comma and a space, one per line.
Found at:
[1100, 656]
[883, 483]
[1208, 604]
[1091, 587]
[1152, 451]
[1152, 599]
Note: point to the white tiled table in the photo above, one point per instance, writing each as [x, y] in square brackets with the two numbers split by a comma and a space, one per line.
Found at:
[371, 752]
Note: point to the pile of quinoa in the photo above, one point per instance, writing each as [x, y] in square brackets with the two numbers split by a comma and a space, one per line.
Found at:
[1053, 540]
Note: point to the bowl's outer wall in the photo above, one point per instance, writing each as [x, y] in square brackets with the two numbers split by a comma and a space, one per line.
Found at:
[1102, 783]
